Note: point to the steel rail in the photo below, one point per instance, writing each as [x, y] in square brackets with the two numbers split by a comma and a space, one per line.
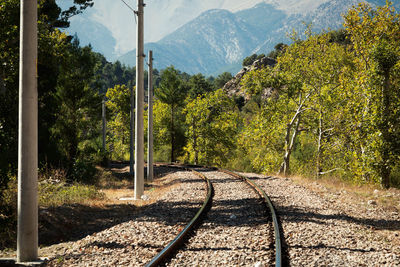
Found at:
[173, 245]
[278, 243]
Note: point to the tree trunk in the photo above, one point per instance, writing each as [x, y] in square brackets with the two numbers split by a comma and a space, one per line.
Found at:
[385, 168]
[289, 145]
[286, 158]
[196, 153]
[319, 147]
[72, 147]
[172, 136]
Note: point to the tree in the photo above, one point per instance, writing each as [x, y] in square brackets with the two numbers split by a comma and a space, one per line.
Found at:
[306, 83]
[222, 79]
[249, 60]
[198, 85]
[51, 46]
[172, 92]
[77, 8]
[279, 49]
[9, 60]
[212, 125]
[376, 48]
[292, 98]
[118, 105]
[78, 105]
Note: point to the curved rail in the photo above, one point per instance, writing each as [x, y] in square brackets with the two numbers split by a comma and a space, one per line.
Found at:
[173, 245]
[278, 243]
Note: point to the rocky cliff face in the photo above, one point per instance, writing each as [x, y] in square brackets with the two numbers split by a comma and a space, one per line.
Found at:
[233, 87]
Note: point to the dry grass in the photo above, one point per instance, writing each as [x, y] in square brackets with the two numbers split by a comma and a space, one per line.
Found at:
[116, 183]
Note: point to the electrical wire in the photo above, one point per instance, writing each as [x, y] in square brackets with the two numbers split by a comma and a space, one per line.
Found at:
[134, 11]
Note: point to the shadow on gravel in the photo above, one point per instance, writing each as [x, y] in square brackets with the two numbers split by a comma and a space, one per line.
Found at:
[172, 213]
[73, 222]
[295, 214]
[211, 249]
[113, 245]
[320, 246]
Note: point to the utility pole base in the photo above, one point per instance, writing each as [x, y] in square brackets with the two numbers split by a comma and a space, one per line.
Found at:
[8, 262]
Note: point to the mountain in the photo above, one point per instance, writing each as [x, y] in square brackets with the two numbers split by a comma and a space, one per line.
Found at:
[162, 17]
[218, 40]
[95, 34]
[214, 40]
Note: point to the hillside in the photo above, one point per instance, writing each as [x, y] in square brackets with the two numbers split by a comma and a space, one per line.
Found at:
[218, 40]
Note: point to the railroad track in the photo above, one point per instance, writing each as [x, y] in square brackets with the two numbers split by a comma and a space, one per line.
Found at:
[173, 246]
[268, 202]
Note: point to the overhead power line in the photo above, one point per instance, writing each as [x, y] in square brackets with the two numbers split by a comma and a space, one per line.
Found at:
[134, 11]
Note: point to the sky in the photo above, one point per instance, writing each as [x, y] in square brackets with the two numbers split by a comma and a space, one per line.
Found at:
[162, 17]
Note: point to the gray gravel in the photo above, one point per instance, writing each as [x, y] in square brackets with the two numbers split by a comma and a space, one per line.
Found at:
[136, 242]
[318, 229]
[236, 232]
[321, 231]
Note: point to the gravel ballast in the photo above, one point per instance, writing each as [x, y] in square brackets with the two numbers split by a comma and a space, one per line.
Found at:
[236, 232]
[319, 228]
[325, 230]
[137, 241]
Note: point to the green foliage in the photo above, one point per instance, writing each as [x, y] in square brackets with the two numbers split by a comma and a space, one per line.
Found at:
[385, 56]
[250, 59]
[77, 8]
[108, 75]
[279, 49]
[52, 191]
[198, 86]
[118, 125]
[212, 125]
[52, 46]
[83, 171]
[172, 92]
[8, 213]
[331, 104]
[262, 142]
[78, 105]
[376, 49]
[340, 36]
[60, 194]
[162, 153]
[222, 79]
[69, 110]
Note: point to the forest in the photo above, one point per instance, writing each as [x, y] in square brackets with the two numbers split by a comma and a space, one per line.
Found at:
[330, 107]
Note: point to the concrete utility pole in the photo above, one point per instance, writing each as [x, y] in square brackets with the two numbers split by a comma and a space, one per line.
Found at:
[139, 133]
[103, 115]
[150, 120]
[27, 240]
